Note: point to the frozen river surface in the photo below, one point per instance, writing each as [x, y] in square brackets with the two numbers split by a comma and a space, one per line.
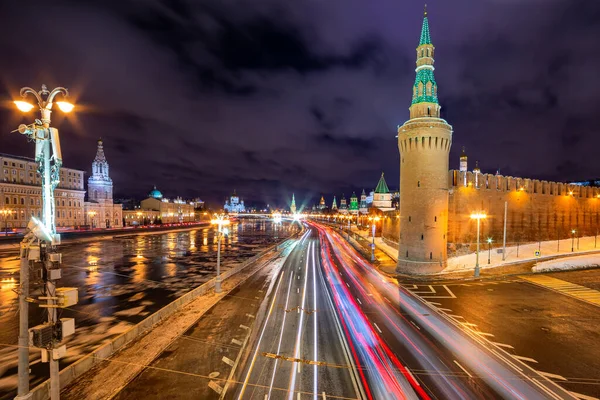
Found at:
[122, 281]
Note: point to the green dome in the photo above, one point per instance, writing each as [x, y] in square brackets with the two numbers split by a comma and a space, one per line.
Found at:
[155, 193]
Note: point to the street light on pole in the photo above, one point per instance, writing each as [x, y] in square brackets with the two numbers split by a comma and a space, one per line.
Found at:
[5, 212]
[489, 242]
[220, 220]
[373, 220]
[478, 216]
[572, 240]
[46, 140]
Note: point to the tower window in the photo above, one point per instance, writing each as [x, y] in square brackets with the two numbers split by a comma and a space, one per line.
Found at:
[409, 219]
[421, 237]
[406, 253]
[434, 219]
[430, 255]
[429, 111]
[418, 183]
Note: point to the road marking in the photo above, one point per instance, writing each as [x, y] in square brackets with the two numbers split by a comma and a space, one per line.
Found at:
[567, 288]
[236, 342]
[228, 361]
[445, 309]
[244, 327]
[552, 376]
[347, 284]
[485, 334]
[416, 326]
[508, 346]
[215, 386]
[461, 367]
[250, 316]
[297, 290]
[377, 327]
[468, 323]
[456, 316]
[583, 396]
[324, 397]
[450, 295]
[531, 360]
[410, 373]
[434, 303]
[299, 364]
[256, 297]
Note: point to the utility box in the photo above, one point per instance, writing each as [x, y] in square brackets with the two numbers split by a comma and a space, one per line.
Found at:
[66, 328]
[67, 296]
[54, 274]
[56, 353]
[40, 335]
[34, 253]
[55, 257]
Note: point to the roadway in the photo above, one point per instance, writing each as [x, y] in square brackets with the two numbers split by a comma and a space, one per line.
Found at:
[411, 350]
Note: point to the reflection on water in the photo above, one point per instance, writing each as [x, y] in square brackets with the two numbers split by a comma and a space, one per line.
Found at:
[121, 281]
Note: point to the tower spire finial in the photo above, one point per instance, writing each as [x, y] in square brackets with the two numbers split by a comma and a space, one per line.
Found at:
[425, 10]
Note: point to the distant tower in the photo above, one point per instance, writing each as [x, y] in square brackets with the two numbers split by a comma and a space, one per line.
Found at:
[476, 172]
[463, 161]
[293, 205]
[363, 203]
[382, 198]
[334, 205]
[353, 204]
[343, 204]
[100, 186]
[424, 142]
[322, 205]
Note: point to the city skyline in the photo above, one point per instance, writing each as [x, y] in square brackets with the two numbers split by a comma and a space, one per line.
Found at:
[341, 99]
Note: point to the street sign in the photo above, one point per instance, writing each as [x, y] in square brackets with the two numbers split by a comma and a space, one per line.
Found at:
[537, 253]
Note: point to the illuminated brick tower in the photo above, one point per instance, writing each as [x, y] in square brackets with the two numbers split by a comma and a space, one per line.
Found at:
[424, 142]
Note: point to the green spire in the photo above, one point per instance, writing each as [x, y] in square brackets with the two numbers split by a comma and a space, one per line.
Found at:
[425, 37]
[353, 202]
[382, 187]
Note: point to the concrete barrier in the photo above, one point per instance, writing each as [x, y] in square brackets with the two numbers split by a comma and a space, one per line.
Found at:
[73, 371]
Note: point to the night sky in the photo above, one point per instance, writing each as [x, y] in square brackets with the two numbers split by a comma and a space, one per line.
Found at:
[271, 97]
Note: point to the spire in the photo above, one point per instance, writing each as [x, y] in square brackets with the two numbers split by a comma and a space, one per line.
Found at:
[425, 87]
[334, 205]
[100, 152]
[425, 37]
[382, 186]
[463, 154]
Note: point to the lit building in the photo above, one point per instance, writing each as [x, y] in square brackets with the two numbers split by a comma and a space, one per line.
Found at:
[21, 193]
[343, 205]
[234, 204]
[157, 209]
[322, 205]
[382, 198]
[364, 208]
[353, 209]
[100, 211]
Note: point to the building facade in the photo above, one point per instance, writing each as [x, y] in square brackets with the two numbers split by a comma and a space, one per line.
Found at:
[234, 204]
[156, 209]
[100, 211]
[21, 193]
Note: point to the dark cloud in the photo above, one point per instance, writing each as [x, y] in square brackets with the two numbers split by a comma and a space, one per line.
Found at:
[272, 97]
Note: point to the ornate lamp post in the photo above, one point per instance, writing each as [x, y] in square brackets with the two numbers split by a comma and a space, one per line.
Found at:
[572, 240]
[373, 220]
[489, 242]
[45, 138]
[220, 220]
[5, 212]
[478, 216]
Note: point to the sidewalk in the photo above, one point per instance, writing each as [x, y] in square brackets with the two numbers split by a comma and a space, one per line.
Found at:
[526, 252]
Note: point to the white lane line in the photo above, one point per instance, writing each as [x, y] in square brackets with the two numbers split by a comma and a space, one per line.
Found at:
[250, 316]
[531, 360]
[347, 284]
[359, 302]
[287, 299]
[377, 327]
[434, 303]
[508, 346]
[468, 324]
[461, 367]
[298, 334]
[410, 373]
[456, 316]
[445, 309]
[583, 396]
[244, 327]
[297, 290]
[228, 361]
[236, 342]
[485, 334]
[416, 326]
[324, 396]
[552, 376]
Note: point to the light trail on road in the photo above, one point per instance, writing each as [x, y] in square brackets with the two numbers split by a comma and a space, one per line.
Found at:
[456, 364]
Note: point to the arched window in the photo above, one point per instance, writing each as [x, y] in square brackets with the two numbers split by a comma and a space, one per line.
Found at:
[30, 201]
[7, 200]
[22, 201]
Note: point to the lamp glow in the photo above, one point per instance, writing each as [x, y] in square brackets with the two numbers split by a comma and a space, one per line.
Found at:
[23, 105]
[65, 106]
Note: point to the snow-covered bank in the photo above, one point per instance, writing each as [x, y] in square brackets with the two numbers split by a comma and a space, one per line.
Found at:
[567, 264]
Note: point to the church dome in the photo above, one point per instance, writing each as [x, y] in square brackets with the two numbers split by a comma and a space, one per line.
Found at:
[155, 193]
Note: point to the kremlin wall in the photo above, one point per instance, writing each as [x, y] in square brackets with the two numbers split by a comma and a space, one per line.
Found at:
[536, 210]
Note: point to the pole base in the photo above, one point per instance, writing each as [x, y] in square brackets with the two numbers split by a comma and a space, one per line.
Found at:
[218, 286]
[24, 397]
[477, 269]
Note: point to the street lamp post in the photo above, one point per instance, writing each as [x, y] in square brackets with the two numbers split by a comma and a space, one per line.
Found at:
[46, 139]
[5, 212]
[478, 216]
[489, 242]
[572, 240]
[373, 220]
[220, 220]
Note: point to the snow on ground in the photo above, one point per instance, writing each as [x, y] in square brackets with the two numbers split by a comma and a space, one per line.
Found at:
[571, 263]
